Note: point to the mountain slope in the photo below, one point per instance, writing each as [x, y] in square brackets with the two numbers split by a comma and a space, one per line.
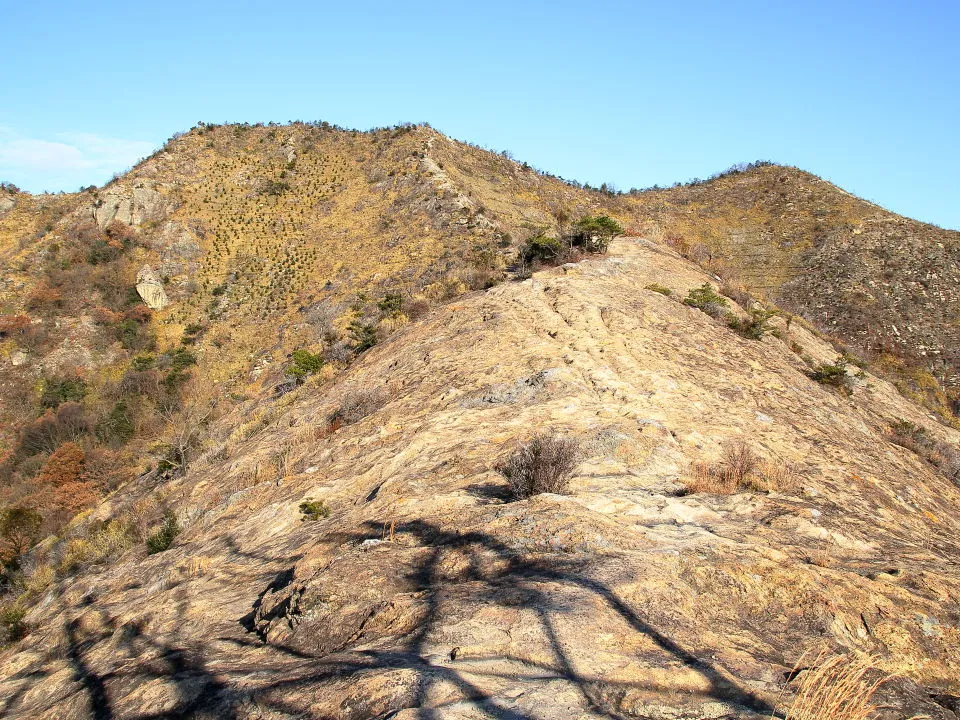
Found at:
[335, 316]
[427, 591]
[877, 281]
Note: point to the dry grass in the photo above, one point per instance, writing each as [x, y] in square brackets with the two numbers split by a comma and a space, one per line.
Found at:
[285, 462]
[835, 688]
[727, 476]
[194, 566]
[740, 468]
[708, 478]
[776, 475]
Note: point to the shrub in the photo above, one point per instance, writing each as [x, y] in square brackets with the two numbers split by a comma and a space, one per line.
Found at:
[913, 437]
[133, 335]
[594, 233]
[855, 360]
[391, 304]
[58, 391]
[68, 489]
[20, 529]
[142, 362]
[417, 308]
[753, 327]
[274, 187]
[314, 509]
[103, 251]
[181, 358]
[117, 426]
[304, 363]
[657, 288]
[338, 353]
[163, 538]
[942, 456]
[833, 375]
[12, 325]
[64, 466]
[11, 623]
[738, 294]
[354, 407]
[45, 434]
[543, 465]
[705, 298]
[364, 336]
[543, 250]
[45, 299]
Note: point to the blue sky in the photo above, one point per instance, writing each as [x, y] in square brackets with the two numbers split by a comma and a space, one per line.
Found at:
[865, 94]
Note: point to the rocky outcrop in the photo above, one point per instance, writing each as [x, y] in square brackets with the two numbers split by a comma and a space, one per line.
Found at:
[429, 592]
[131, 206]
[179, 250]
[7, 203]
[151, 289]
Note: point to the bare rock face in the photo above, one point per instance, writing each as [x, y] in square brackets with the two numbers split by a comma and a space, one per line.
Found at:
[179, 249]
[151, 289]
[7, 204]
[130, 206]
[429, 592]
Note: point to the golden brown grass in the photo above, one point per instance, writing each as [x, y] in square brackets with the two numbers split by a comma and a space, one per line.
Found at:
[836, 687]
[740, 468]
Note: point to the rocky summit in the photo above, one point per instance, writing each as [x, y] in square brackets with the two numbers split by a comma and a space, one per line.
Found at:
[309, 423]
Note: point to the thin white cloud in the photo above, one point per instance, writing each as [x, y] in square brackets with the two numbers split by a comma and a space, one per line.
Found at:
[67, 160]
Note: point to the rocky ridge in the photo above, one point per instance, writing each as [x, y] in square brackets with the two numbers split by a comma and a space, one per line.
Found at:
[427, 591]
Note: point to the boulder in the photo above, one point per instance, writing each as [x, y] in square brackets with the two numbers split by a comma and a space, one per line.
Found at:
[151, 289]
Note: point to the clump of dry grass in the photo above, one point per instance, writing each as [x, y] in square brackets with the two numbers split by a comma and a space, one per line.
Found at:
[741, 468]
[835, 688]
[727, 476]
[942, 456]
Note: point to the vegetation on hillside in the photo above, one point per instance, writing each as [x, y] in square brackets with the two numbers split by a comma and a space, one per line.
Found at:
[289, 251]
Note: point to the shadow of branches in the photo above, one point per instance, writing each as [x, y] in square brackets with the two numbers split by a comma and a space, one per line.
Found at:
[286, 684]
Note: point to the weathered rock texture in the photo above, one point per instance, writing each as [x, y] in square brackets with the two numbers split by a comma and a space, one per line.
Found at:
[151, 289]
[427, 593]
[132, 206]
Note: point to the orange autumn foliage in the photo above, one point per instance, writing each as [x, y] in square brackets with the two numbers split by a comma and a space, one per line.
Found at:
[68, 487]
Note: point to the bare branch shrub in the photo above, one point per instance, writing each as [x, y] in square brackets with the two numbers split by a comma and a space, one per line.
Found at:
[543, 465]
[738, 294]
[355, 406]
[738, 461]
